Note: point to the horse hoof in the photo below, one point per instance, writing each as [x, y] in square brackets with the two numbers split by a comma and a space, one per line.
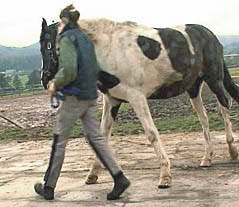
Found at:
[91, 179]
[233, 152]
[206, 163]
[164, 183]
[163, 186]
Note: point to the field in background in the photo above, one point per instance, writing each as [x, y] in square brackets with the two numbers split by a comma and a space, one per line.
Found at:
[170, 116]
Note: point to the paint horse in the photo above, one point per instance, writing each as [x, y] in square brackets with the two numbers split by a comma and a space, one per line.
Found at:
[140, 63]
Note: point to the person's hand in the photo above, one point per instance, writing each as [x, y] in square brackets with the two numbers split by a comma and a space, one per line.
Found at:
[51, 88]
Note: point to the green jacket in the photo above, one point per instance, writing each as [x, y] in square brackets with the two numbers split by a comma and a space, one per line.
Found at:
[67, 64]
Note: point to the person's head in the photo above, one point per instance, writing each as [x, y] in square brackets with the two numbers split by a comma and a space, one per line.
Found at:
[69, 15]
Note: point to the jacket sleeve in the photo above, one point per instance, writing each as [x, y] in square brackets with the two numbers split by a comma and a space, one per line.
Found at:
[67, 64]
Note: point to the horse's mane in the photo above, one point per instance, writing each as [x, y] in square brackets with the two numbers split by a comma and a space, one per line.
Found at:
[92, 27]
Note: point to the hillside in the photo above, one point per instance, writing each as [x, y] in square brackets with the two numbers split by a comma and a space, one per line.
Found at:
[230, 43]
[29, 58]
[25, 58]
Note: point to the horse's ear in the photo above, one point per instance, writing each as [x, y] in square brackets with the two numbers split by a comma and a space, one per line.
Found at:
[43, 25]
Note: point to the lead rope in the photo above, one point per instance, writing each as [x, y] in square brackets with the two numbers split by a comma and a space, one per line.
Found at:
[55, 100]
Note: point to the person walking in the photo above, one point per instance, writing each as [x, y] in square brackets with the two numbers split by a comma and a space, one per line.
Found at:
[76, 78]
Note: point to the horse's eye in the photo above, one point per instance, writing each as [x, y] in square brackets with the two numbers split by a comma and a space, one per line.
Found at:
[48, 45]
[47, 36]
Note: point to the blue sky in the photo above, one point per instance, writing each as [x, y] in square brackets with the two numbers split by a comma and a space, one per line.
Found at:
[20, 21]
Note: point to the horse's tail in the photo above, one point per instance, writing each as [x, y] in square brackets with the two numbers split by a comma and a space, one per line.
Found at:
[230, 85]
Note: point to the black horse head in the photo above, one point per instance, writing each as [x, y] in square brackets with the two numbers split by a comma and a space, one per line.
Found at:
[48, 52]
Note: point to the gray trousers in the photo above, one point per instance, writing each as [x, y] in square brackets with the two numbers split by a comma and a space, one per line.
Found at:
[71, 110]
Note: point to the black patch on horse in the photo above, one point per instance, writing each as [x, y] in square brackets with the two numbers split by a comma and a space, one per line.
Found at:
[166, 92]
[151, 48]
[114, 111]
[178, 49]
[106, 81]
[194, 90]
[181, 59]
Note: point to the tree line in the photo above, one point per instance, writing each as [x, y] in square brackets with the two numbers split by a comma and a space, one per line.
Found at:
[19, 62]
[15, 81]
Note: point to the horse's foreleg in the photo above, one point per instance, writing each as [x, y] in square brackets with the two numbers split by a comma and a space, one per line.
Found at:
[229, 135]
[108, 115]
[140, 105]
[203, 118]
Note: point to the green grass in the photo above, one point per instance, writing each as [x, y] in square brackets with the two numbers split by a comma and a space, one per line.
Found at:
[234, 71]
[178, 124]
[123, 128]
[188, 124]
[127, 127]
[24, 94]
[12, 134]
[24, 79]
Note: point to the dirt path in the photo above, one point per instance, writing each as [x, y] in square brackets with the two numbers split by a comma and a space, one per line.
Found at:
[23, 164]
[30, 111]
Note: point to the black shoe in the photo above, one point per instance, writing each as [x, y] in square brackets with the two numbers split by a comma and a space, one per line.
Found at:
[121, 184]
[45, 191]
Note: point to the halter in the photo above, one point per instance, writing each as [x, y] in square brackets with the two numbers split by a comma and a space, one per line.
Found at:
[52, 53]
[50, 49]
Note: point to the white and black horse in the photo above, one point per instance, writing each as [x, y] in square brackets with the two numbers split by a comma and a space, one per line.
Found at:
[140, 63]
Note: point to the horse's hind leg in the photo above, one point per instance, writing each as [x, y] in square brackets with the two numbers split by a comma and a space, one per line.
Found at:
[215, 83]
[140, 105]
[108, 116]
[197, 104]
[229, 135]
